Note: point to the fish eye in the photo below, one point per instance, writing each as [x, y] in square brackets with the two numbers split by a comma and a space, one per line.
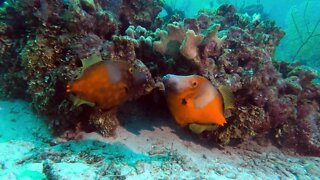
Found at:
[130, 70]
[194, 84]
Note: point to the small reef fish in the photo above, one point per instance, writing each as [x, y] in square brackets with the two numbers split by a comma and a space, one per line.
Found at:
[106, 84]
[195, 102]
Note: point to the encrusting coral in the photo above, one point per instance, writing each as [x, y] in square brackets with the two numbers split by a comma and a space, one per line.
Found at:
[179, 39]
[135, 12]
[42, 44]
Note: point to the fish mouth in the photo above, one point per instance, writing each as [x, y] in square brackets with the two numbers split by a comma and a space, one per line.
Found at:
[139, 78]
[165, 78]
[169, 83]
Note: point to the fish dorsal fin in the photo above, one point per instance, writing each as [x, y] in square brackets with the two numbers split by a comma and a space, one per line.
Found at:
[78, 102]
[90, 60]
[227, 96]
[205, 96]
[199, 128]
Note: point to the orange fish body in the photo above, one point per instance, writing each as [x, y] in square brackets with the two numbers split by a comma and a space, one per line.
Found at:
[107, 84]
[193, 99]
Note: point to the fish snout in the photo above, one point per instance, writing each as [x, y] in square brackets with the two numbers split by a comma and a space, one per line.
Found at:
[169, 82]
[165, 79]
[139, 78]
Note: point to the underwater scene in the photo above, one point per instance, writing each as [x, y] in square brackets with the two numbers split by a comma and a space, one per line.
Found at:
[159, 89]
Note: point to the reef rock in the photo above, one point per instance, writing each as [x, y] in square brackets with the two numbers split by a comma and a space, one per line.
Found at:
[43, 42]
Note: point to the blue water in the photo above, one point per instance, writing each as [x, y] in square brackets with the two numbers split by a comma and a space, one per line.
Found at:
[298, 18]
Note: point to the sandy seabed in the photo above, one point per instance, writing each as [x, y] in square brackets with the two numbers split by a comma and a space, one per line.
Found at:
[145, 147]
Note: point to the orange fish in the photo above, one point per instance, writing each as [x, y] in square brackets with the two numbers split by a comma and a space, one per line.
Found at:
[106, 84]
[194, 102]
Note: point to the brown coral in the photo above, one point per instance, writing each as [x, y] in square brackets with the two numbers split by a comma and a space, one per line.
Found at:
[139, 12]
[105, 122]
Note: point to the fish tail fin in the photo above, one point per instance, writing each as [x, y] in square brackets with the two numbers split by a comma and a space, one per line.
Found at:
[68, 88]
[227, 96]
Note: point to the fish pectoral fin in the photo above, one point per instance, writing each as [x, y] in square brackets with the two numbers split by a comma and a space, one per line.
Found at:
[227, 96]
[187, 102]
[78, 102]
[200, 128]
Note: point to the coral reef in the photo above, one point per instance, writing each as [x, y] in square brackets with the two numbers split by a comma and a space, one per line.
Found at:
[134, 12]
[104, 121]
[182, 41]
[37, 65]
[43, 42]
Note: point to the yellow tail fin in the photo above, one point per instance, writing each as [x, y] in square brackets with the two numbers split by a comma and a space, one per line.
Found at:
[227, 96]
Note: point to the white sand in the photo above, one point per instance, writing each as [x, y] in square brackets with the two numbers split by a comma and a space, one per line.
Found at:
[146, 147]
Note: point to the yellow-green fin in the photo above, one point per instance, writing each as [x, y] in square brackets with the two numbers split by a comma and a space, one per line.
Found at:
[77, 102]
[200, 128]
[90, 60]
[212, 127]
[227, 96]
[197, 128]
